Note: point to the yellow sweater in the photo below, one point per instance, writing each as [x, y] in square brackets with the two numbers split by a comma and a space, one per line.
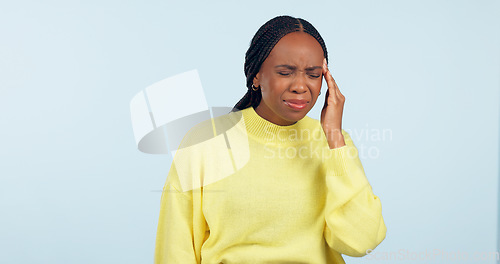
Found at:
[244, 190]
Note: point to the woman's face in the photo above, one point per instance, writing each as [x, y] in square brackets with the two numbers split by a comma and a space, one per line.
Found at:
[290, 79]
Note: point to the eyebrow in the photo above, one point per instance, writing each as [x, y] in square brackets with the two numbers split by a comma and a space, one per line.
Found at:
[293, 67]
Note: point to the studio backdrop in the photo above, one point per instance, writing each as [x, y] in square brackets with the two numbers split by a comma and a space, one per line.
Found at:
[87, 130]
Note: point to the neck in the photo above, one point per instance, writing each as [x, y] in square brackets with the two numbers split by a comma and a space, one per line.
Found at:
[273, 119]
[268, 132]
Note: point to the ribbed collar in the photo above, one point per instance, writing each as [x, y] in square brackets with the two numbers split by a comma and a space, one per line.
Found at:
[268, 132]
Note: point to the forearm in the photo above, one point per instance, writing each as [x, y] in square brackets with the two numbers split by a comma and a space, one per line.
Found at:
[353, 214]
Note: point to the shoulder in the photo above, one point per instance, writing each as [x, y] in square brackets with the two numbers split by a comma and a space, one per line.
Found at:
[210, 128]
[205, 154]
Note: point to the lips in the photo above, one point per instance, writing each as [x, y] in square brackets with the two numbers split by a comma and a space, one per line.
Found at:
[296, 103]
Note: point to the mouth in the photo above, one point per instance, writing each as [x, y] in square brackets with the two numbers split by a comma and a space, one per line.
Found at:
[296, 103]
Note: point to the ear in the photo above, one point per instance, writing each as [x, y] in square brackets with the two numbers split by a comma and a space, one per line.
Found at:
[256, 80]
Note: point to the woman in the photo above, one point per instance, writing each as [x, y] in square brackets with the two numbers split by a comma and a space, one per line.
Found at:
[265, 183]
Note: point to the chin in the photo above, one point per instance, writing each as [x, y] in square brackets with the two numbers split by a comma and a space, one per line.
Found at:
[294, 117]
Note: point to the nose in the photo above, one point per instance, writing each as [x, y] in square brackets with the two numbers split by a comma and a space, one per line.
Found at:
[299, 84]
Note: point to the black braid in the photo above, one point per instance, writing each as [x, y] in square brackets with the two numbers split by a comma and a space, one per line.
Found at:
[261, 45]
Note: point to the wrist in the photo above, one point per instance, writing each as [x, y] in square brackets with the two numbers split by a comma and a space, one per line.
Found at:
[334, 138]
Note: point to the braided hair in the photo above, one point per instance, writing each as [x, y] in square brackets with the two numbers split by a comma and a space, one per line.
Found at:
[261, 45]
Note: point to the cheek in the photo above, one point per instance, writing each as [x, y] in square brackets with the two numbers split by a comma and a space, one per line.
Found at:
[275, 87]
[315, 84]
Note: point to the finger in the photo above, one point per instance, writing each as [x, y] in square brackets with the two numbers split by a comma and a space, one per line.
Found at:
[334, 83]
[335, 92]
[329, 79]
[338, 97]
[329, 76]
[326, 97]
[337, 89]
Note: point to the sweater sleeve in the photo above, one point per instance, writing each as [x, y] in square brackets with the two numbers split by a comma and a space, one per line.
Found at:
[182, 228]
[353, 214]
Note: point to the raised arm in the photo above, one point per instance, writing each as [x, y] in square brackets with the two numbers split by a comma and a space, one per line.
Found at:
[353, 214]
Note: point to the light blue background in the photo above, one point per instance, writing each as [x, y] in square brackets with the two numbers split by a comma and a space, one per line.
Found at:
[75, 189]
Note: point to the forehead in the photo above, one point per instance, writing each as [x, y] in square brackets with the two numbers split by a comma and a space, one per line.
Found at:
[297, 47]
